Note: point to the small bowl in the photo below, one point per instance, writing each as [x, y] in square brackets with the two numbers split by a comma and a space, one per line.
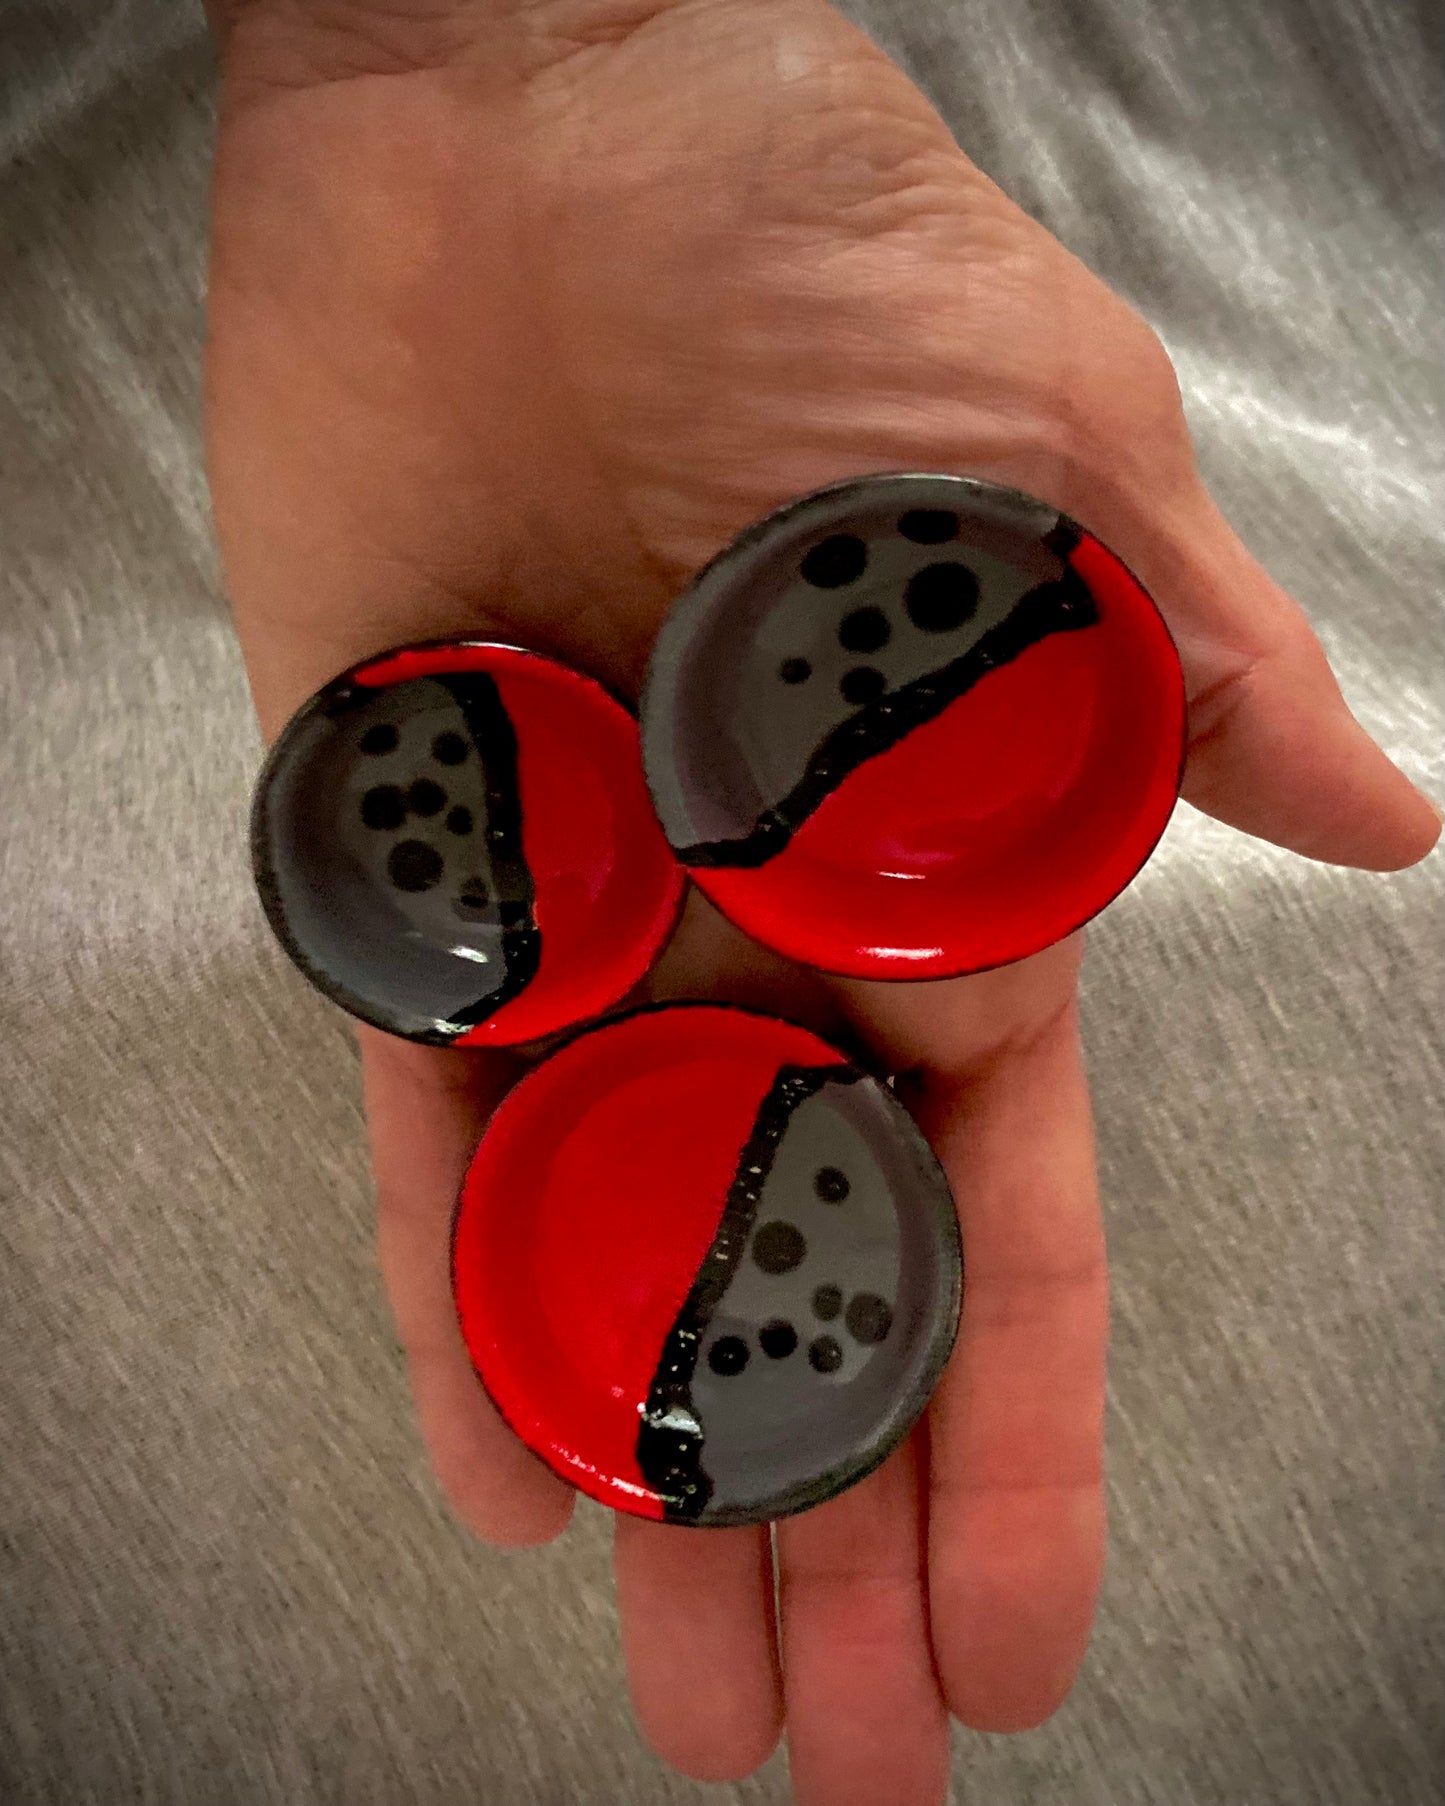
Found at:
[454, 842]
[707, 1269]
[913, 726]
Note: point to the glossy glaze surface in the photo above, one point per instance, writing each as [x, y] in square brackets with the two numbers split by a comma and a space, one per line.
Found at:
[913, 725]
[455, 843]
[706, 1269]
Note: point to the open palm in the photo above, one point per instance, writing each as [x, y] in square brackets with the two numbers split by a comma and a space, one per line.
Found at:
[519, 312]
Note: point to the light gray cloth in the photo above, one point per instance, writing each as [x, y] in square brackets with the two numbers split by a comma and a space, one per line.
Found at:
[224, 1572]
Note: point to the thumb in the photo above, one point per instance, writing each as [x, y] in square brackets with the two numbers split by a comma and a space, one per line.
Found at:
[1273, 747]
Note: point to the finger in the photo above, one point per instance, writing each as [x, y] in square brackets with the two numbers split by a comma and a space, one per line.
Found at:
[699, 1643]
[1016, 1508]
[867, 1725]
[426, 1108]
[1274, 748]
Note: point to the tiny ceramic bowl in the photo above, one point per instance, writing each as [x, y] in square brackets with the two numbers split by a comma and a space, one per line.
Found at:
[912, 726]
[705, 1267]
[455, 843]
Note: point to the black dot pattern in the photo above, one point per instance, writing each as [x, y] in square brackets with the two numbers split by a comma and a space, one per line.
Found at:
[865, 630]
[777, 1339]
[383, 738]
[831, 1184]
[449, 749]
[836, 561]
[414, 866]
[823, 1260]
[941, 597]
[778, 1247]
[827, 1302]
[728, 1356]
[795, 670]
[869, 1318]
[426, 798]
[928, 526]
[473, 894]
[459, 820]
[863, 684]
[383, 807]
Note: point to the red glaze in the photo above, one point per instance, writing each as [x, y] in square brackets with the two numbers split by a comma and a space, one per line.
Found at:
[607, 886]
[586, 1213]
[1000, 826]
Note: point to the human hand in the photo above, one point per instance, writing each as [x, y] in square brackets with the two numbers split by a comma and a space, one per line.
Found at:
[520, 309]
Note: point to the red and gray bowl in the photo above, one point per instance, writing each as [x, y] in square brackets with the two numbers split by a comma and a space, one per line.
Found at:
[913, 725]
[455, 843]
[705, 1267]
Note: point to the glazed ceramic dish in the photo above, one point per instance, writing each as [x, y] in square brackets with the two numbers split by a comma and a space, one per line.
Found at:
[913, 725]
[455, 843]
[708, 1270]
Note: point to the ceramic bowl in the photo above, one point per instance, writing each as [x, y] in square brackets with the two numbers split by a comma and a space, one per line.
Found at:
[705, 1267]
[913, 725]
[455, 843]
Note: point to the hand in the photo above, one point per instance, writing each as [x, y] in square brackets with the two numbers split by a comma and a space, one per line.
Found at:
[519, 311]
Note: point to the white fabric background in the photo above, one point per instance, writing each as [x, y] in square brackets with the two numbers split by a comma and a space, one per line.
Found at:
[224, 1572]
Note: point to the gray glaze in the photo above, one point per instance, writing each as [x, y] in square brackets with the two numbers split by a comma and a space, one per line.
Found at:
[725, 735]
[412, 960]
[779, 1434]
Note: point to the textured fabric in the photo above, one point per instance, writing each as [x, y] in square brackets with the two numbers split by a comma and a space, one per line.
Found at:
[224, 1571]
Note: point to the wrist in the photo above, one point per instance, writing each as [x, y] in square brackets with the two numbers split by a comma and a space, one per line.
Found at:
[324, 39]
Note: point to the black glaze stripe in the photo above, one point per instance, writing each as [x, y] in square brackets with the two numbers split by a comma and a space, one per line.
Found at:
[1063, 604]
[669, 1453]
[495, 739]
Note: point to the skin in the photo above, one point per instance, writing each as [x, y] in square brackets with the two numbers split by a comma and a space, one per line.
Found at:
[518, 312]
